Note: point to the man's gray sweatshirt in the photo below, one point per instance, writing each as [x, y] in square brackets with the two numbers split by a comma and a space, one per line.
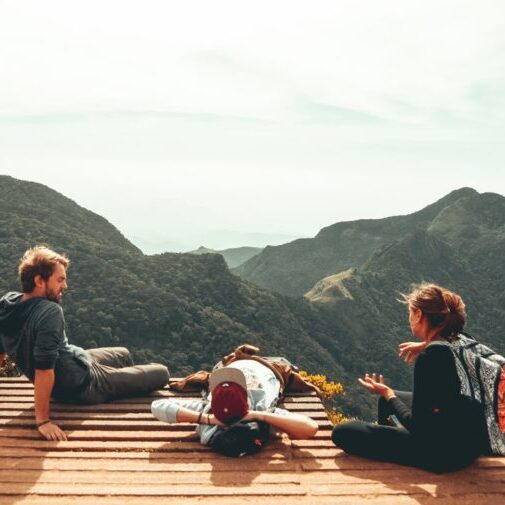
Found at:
[32, 333]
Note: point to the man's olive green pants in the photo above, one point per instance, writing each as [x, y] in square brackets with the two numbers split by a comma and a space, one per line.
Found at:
[113, 375]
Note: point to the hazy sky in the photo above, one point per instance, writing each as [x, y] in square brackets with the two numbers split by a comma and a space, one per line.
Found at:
[247, 123]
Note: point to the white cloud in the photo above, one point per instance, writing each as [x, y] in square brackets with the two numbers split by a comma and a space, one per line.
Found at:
[233, 58]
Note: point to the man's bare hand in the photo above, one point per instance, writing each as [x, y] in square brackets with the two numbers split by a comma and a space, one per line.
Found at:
[409, 351]
[51, 431]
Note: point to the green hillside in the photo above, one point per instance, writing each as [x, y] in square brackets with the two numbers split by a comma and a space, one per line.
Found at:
[461, 249]
[180, 309]
[292, 269]
[352, 274]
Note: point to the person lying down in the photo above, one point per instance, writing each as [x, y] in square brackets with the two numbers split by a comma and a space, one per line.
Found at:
[240, 411]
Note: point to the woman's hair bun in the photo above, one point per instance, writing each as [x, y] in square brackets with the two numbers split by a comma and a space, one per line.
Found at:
[443, 308]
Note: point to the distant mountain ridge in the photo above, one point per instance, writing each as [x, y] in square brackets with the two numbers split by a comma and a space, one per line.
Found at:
[292, 269]
[234, 257]
[188, 310]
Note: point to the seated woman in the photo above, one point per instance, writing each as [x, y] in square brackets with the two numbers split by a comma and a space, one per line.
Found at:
[244, 390]
[452, 415]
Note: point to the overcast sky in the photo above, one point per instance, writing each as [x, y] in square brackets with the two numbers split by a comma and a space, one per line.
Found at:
[246, 123]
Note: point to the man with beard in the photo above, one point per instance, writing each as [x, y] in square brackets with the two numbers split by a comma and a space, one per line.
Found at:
[32, 333]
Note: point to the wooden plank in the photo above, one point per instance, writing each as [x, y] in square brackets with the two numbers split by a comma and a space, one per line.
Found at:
[317, 451]
[116, 445]
[472, 499]
[93, 424]
[275, 499]
[338, 461]
[272, 451]
[454, 488]
[324, 442]
[166, 391]
[458, 487]
[20, 396]
[156, 478]
[119, 425]
[22, 378]
[195, 489]
[110, 462]
[60, 407]
[29, 413]
[384, 473]
[76, 435]
[100, 445]
[15, 404]
[28, 393]
[473, 476]
[99, 435]
[16, 385]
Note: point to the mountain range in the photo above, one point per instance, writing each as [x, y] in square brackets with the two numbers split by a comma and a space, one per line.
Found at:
[293, 268]
[183, 310]
[328, 303]
[458, 242]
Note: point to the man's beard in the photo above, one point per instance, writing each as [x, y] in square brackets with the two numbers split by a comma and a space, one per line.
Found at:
[53, 295]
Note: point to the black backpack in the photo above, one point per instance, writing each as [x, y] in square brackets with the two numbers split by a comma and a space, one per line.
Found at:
[240, 439]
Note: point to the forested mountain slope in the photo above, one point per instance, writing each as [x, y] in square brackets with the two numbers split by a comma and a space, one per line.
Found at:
[293, 268]
[181, 309]
[187, 310]
[462, 249]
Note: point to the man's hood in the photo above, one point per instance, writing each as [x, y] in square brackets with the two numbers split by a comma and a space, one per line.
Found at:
[13, 312]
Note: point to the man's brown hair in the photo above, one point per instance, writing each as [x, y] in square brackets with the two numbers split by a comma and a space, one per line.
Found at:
[38, 260]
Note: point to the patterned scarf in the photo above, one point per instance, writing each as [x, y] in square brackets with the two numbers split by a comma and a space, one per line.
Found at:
[482, 375]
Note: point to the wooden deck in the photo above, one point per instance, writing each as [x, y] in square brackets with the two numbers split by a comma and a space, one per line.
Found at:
[118, 453]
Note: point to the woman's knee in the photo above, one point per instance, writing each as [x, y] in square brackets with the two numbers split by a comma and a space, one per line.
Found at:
[344, 435]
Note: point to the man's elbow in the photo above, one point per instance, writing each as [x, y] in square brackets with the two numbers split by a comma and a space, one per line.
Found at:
[312, 429]
[43, 375]
[308, 430]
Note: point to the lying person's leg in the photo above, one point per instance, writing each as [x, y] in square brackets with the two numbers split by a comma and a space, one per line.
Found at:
[108, 383]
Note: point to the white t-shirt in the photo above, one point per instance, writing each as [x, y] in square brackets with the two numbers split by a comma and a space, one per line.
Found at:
[263, 389]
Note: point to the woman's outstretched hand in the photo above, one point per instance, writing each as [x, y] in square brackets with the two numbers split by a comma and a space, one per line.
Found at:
[371, 383]
[409, 351]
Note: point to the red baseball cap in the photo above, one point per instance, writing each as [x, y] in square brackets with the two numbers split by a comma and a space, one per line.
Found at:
[229, 394]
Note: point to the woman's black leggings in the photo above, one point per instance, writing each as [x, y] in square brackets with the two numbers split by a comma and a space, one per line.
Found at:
[397, 445]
